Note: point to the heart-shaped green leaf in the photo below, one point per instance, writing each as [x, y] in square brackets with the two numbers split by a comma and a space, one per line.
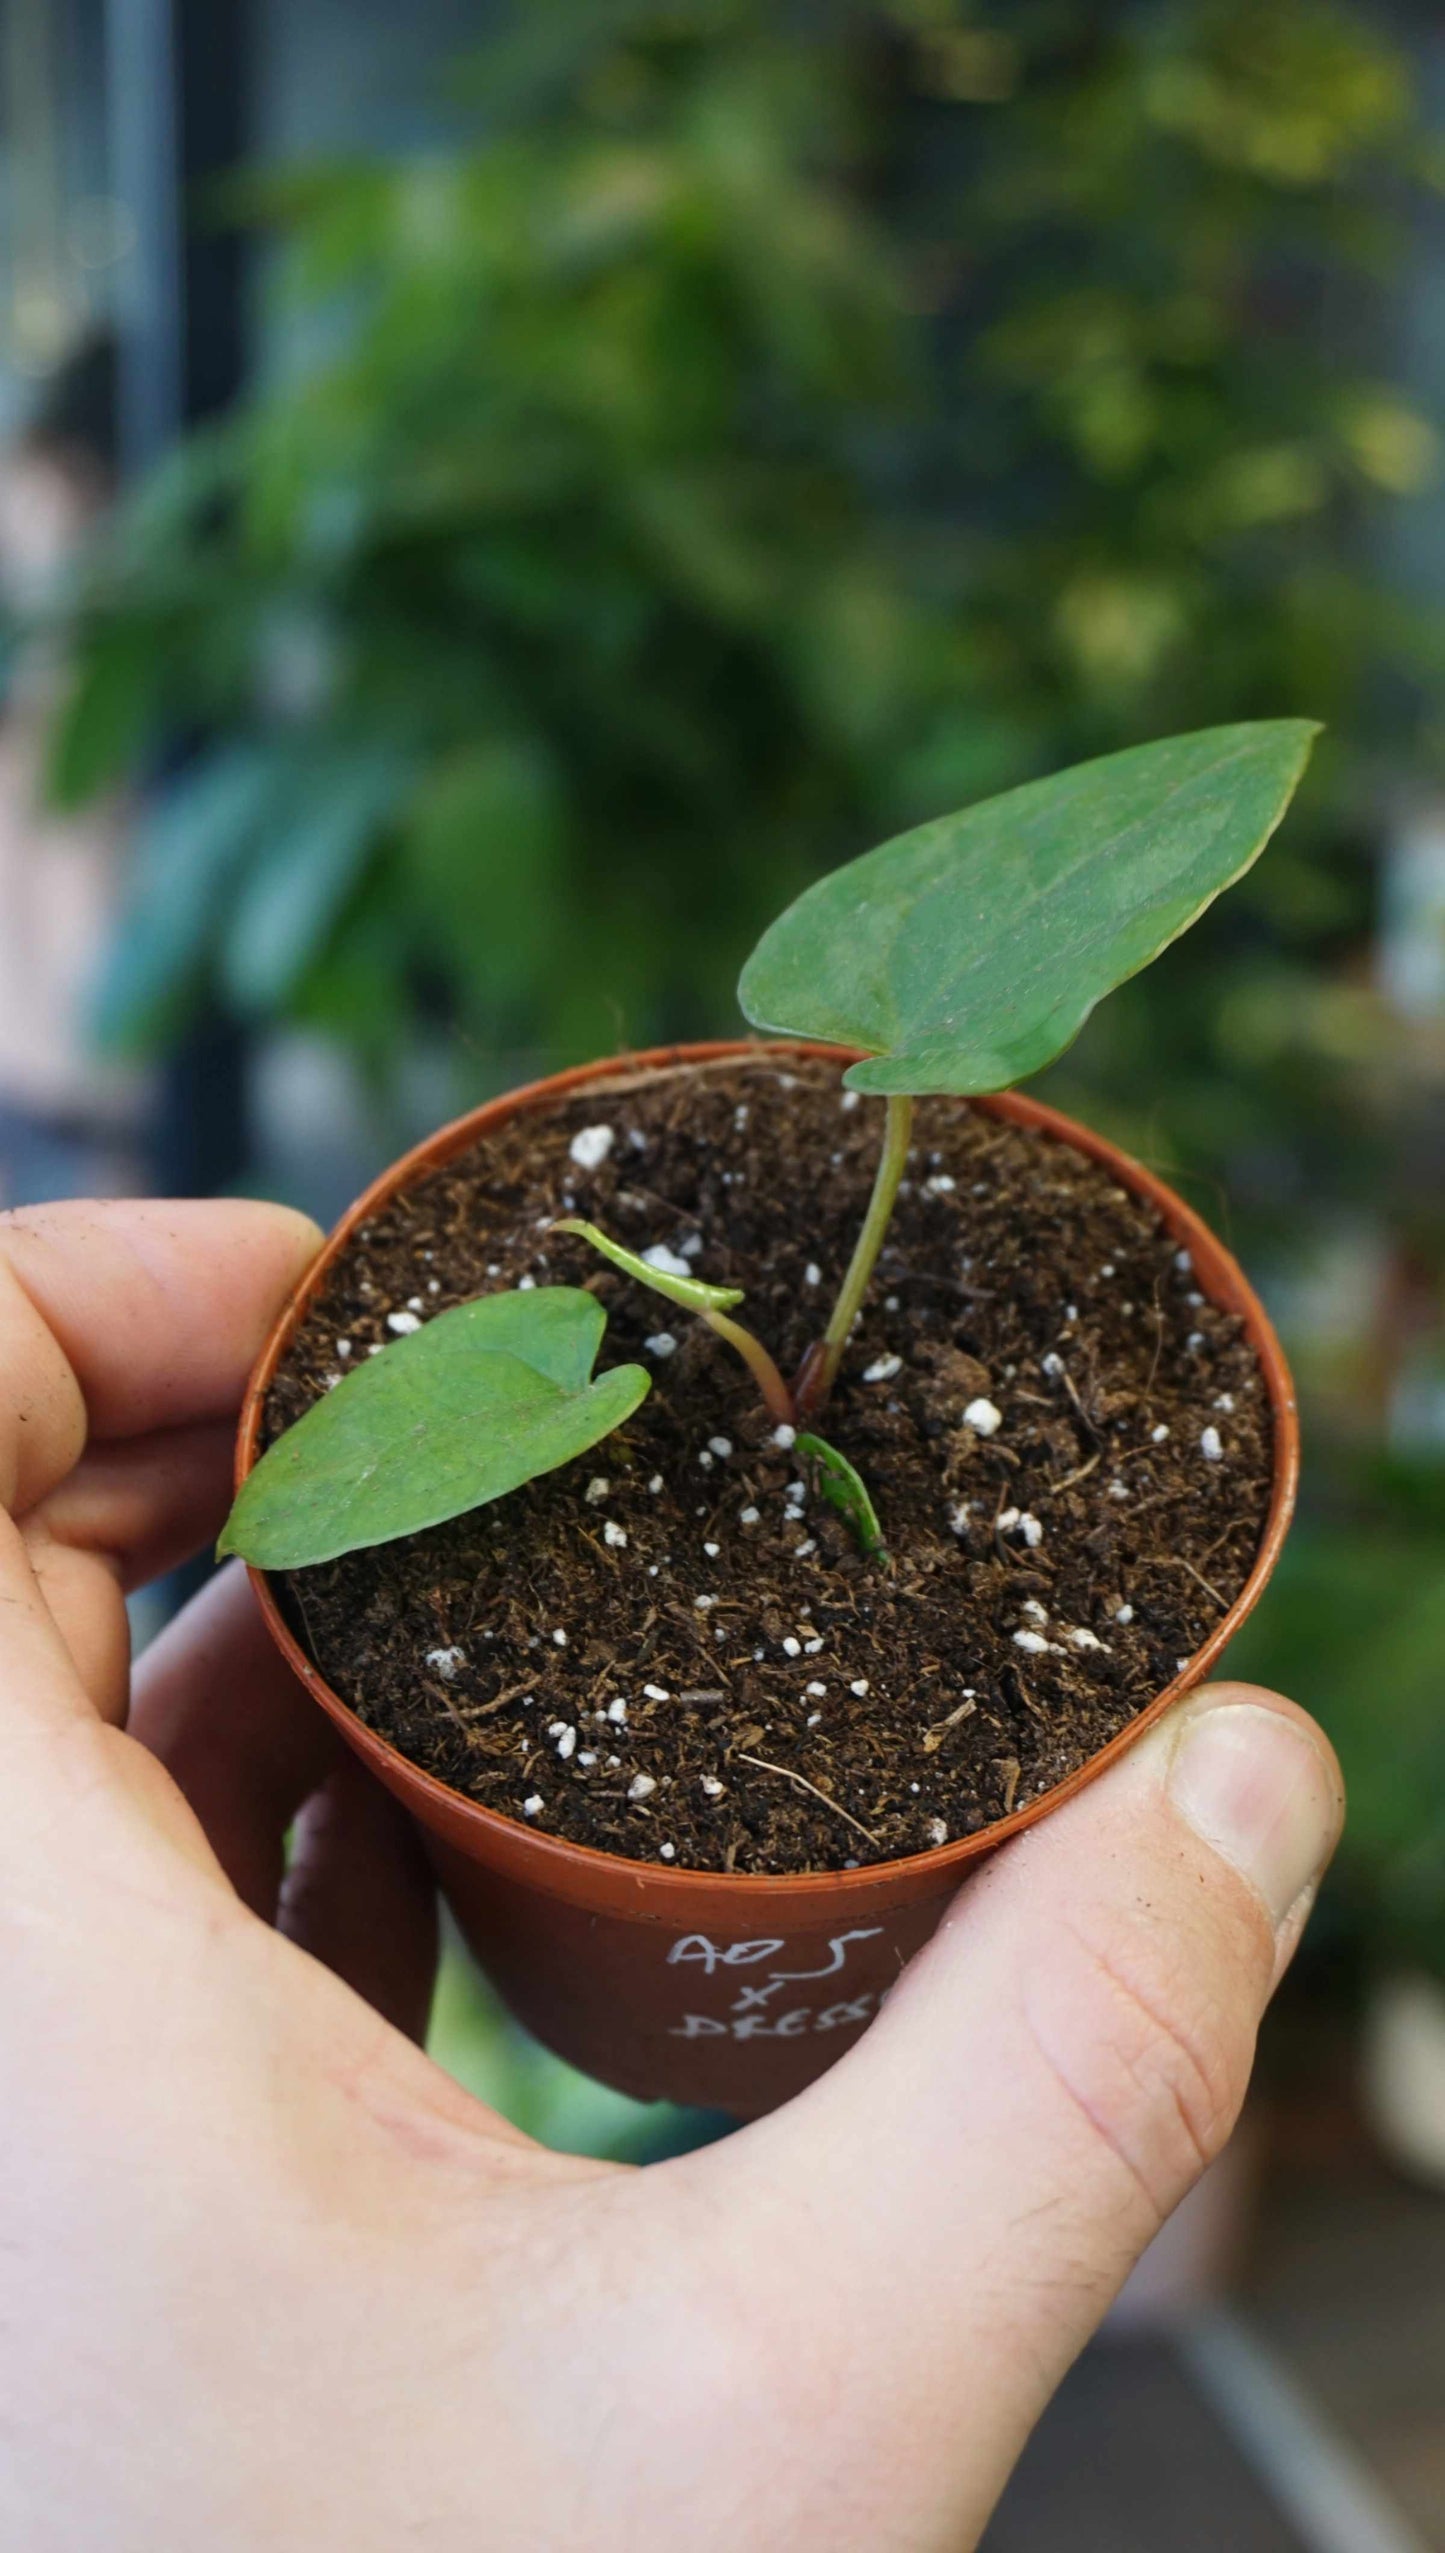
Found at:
[464, 1409]
[689, 1291]
[970, 952]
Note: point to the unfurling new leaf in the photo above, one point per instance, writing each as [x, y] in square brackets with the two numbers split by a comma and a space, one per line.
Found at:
[711, 1303]
[689, 1291]
[838, 1482]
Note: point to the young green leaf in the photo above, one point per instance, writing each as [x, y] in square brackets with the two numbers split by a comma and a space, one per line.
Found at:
[970, 952]
[843, 1488]
[689, 1291]
[465, 1409]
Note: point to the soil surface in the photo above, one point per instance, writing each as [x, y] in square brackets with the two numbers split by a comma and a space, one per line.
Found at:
[668, 1649]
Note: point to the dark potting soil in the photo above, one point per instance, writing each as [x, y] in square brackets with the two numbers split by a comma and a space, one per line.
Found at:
[668, 1650]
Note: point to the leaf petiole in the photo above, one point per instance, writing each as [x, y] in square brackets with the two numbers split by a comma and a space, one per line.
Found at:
[776, 1395]
[819, 1370]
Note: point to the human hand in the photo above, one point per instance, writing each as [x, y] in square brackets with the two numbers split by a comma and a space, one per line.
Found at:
[273, 2281]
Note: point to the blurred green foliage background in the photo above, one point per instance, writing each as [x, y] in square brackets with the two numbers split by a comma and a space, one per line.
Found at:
[759, 430]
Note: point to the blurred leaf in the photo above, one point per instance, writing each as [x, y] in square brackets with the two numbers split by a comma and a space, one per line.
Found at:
[358, 991]
[482, 843]
[1393, 444]
[320, 830]
[1354, 1624]
[188, 850]
[105, 720]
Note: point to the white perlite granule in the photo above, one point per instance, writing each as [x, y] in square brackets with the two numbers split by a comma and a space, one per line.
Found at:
[667, 1261]
[590, 1147]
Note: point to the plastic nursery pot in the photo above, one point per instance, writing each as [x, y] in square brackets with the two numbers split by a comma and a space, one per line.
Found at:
[730, 1992]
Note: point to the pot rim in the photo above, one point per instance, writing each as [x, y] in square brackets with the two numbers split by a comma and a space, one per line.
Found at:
[551, 1856]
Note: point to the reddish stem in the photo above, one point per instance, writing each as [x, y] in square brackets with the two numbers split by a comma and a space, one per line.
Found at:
[776, 1395]
[810, 1383]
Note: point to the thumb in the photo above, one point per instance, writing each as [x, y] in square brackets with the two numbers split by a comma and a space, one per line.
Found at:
[946, 2216]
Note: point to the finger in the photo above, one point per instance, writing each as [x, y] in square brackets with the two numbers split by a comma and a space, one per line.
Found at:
[973, 2182]
[82, 1594]
[142, 1505]
[126, 1514]
[360, 1896]
[123, 1318]
[214, 1700]
[252, 1753]
[40, 1689]
[116, 1318]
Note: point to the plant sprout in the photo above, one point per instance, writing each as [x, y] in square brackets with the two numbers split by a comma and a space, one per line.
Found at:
[958, 958]
[711, 1303]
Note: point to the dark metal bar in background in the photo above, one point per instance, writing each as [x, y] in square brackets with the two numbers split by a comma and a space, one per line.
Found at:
[145, 175]
[178, 92]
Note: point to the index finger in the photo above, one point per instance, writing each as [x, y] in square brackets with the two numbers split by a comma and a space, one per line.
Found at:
[125, 1317]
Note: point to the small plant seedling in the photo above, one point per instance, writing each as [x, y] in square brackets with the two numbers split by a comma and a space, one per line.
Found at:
[834, 1477]
[711, 1303]
[958, 958]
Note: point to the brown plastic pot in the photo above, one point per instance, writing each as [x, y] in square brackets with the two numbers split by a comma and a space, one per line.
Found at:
[729, 1992]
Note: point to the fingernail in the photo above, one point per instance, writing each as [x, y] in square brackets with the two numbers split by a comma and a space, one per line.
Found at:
[1257, 1788]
